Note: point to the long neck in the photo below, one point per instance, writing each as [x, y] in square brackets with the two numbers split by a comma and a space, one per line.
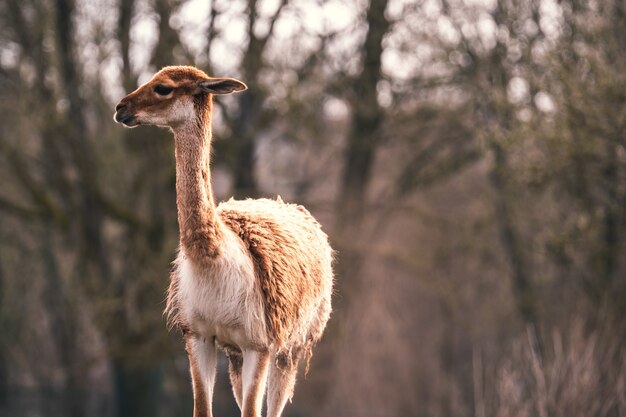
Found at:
[200, 228]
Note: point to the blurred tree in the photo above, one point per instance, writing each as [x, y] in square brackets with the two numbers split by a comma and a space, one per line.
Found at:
[591, 132]
[66, 184]
[366, 118]
[452, 144]
[4, 362]
[125, 16]
[249, 118]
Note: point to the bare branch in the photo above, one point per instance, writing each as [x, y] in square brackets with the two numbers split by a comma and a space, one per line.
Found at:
[38, 192]
[211, 34]
[25, 213]
[270, 32]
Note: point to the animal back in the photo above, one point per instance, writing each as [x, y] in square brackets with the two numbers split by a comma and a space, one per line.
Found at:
[291, 256]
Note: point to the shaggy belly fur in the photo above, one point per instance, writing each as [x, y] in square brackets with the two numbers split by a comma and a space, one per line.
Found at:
[270, 286]
[222, 300]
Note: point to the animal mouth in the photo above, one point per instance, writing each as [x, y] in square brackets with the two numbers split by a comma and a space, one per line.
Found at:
[126, 119]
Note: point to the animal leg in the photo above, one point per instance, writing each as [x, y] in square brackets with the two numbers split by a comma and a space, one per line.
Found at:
[281, 380]
[202, 361]
[235, 365]
[254, 373]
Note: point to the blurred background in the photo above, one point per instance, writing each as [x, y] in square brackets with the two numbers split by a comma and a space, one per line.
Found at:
[466, 157]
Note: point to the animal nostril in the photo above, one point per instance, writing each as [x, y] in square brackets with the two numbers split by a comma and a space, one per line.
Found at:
[120, 106]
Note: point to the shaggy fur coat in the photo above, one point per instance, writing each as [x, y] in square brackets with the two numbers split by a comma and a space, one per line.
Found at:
[292, 261]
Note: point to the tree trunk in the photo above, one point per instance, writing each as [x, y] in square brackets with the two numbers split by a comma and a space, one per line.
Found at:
[82, 153]
[244, 128]
[367, 118]
[125, 11]
[511, 241]
[4, 370]
[359, 154]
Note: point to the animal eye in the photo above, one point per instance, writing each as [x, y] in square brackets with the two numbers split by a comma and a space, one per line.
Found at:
[162, 90]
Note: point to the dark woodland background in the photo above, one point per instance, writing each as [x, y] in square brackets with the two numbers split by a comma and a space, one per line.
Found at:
[467, 159]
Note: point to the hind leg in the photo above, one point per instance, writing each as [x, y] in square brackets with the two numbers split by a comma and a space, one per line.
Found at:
[235, 366]
[281, 380]
[254, 373]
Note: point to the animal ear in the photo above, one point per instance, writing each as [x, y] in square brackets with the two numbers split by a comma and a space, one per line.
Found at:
[222, 86]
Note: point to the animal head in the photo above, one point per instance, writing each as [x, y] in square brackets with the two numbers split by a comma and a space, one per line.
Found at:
[174, 96]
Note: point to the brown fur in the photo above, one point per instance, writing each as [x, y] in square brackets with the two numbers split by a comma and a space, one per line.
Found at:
[200, 233]
[285, 242]
[201, 405]
[290, 253]
[182, 78]
[251, 404]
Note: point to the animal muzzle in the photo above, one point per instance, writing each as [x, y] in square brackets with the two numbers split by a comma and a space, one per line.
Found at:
[124, 116]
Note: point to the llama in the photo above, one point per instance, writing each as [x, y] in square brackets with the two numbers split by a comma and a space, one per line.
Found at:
[252, 277]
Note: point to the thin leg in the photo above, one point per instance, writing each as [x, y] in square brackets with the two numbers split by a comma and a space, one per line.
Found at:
[202, 361]
[281, 380]
[235, 367]
[254, 374]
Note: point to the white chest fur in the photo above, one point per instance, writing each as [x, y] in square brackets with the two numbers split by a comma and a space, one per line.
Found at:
[223, 300]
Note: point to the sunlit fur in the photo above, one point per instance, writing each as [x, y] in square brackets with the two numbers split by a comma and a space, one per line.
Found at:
[253, 277]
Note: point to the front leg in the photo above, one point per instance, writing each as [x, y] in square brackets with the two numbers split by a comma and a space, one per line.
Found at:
[255, 364]
[202, 362]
